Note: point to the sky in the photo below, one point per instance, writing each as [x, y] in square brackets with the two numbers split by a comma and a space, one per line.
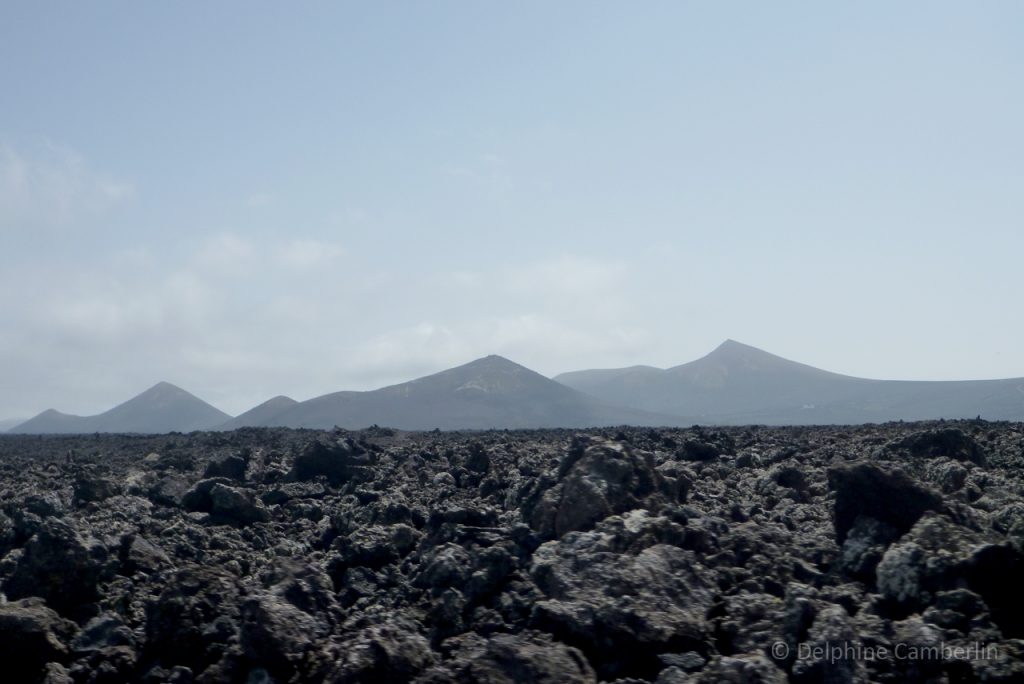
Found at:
[249, 199]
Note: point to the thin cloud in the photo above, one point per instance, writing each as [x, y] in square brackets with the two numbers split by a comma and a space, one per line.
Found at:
[305, 254]
[51, 184]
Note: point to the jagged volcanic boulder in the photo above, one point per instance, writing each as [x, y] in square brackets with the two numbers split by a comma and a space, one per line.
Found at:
[950, 442]
[340, 461]
[236, 506]
[139, 554]
[62, 566]
[31, 635]
[891, 497]
[232, 466]
[194, 621]
[595, 479]
[224, 502]
[744, 668]
[513, 658]
[91, 486]
[388, 650]
[104, 651]
[621, 601]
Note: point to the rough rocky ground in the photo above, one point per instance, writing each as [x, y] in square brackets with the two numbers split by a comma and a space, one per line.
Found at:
[670, 556]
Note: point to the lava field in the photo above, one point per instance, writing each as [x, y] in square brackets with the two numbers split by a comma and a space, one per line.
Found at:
[877, 553]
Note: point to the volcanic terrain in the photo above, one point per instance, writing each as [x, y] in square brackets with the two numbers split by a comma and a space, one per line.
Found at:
[738, 554]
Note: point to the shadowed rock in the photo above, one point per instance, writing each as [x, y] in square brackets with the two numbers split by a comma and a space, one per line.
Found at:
[950, 442]
[596, 479]
[61, 566]
[515, 658]
[890, 497]
[340, 462]
[31, 635]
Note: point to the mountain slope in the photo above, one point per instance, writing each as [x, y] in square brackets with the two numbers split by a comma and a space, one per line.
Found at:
[737, 383]
[162, 408]
[261, 414]
[491, 392]
[8, 423]
[50, 421]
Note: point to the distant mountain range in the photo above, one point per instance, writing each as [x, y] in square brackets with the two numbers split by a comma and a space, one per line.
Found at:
[740, 384]
[491, 392]
[161, 408]
[734, 384]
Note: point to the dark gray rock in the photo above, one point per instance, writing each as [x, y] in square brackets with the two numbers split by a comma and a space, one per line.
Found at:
[392, 650]
[697, 451]
[891, 497]
[44, 505]
[232, 466]
[950, 442]
[103, 631]
[829, 653]
[198, 497]
[478, 460]
[91, 487]
[444, 566]
[61, 566]
[277, 635]
[169, 490]
[621, 609]
[339, 462]
[8, 534]
[194, 621]
[374, 546]
[596, 479]
[139, 554]
[745, 668]
[32, 635]
[511, 659]
[236, 506]
[863, 548]
[55, 673]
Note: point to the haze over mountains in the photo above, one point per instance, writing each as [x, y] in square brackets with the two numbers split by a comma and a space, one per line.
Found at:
[737, 384]
[734, 384]
[491, 392]
[8, 423]
[161, 408]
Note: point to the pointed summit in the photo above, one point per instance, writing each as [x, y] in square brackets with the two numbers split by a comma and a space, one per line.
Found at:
[738, 383]
[733, 354]
[491, 362]
[162, 391]
[163, 387]
[489, 374]
[161, 408]
[731, 346]
[489, 392]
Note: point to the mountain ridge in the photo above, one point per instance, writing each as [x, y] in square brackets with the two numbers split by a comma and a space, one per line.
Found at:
[738, 383]
[489, 392]
[161, 408]
[734, 383]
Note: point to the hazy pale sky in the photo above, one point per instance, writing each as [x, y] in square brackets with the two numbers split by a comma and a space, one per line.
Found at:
[250, 198]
